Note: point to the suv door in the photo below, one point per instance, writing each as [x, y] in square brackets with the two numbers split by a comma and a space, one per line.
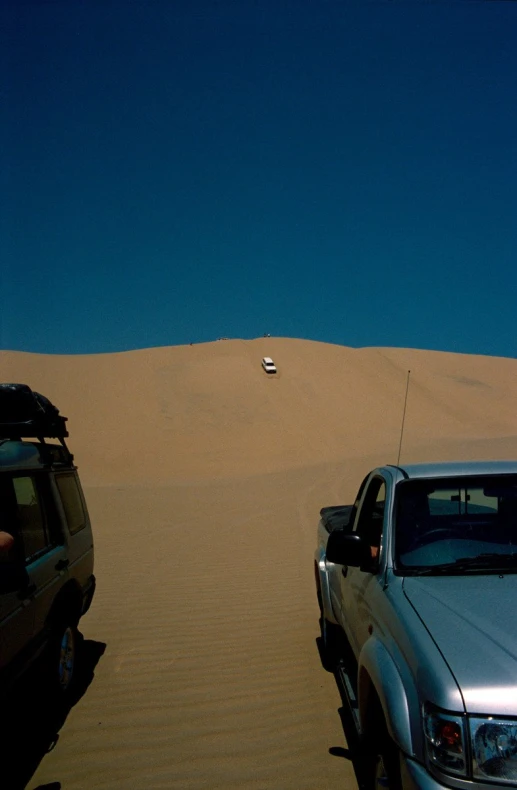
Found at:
[16, 615]
[44, 548]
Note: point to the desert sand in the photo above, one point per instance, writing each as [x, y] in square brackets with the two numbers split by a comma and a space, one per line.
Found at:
[204, 478]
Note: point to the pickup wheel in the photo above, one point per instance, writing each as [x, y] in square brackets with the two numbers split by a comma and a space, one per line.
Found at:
[381, 766]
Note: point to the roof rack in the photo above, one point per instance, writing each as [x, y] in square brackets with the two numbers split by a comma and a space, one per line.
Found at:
[27, 414]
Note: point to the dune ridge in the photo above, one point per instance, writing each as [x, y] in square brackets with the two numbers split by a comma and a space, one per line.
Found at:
[208, 410]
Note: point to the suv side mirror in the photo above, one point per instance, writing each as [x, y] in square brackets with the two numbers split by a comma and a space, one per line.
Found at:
[348, 548]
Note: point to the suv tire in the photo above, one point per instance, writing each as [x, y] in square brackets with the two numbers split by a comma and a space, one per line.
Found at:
[63, 658]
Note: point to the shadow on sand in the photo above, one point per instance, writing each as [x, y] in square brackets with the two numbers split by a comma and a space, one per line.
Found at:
[32, 719]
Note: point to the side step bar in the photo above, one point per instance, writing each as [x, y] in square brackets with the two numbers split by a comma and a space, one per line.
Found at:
[346, 683]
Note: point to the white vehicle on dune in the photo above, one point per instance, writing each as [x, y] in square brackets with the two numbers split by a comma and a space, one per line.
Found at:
[268, 365]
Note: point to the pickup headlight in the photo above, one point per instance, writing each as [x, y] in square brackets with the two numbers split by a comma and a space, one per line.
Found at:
[494, 749]
[445, 741]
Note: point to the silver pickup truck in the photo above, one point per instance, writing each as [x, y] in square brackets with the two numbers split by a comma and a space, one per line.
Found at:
[417, 588]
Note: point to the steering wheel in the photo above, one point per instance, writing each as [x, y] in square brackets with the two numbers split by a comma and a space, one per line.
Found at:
[443, 531]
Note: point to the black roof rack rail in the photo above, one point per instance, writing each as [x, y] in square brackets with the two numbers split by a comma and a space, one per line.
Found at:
[26, 414]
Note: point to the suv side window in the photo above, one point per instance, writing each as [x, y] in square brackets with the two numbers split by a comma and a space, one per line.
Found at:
[371, 516]
[32, 522]
[72, 502]
[8, 515]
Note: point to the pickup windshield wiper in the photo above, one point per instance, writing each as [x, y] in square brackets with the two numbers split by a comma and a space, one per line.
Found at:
[482, 562]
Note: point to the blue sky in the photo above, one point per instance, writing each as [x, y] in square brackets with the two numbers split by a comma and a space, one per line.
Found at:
[174, 172]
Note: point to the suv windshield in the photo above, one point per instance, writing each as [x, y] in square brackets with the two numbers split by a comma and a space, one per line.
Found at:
[457, 525]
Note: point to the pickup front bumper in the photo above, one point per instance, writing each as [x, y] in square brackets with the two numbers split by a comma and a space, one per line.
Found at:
[415, 777]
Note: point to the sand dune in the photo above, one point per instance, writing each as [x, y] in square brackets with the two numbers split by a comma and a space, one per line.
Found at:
[204, 478]
[209, 411]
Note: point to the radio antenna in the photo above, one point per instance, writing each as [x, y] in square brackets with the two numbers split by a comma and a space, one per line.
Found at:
[403, 416]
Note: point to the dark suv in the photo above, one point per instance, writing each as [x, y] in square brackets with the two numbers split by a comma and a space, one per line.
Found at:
[46, 545]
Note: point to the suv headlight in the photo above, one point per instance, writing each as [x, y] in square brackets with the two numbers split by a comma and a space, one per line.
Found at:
[445, 741]
[494, 748]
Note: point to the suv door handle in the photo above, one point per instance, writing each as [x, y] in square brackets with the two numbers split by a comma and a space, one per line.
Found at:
[62, 564]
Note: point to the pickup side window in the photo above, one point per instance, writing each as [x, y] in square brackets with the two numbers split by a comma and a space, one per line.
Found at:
[360, 492]
[371, 516]
[72, 502]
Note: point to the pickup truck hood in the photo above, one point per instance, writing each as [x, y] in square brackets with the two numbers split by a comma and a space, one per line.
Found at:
[473, 621]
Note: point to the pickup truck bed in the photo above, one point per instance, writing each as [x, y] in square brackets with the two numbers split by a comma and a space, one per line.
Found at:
[336, 516]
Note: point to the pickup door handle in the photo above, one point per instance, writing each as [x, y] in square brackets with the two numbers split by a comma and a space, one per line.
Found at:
[62, 564]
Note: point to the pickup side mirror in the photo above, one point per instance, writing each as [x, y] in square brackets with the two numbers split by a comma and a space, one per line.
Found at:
[348, 548]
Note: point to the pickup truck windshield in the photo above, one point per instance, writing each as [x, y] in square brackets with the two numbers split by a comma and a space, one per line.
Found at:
[456, 525]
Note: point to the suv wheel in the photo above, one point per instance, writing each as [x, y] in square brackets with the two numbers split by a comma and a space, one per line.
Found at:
[64, 658]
